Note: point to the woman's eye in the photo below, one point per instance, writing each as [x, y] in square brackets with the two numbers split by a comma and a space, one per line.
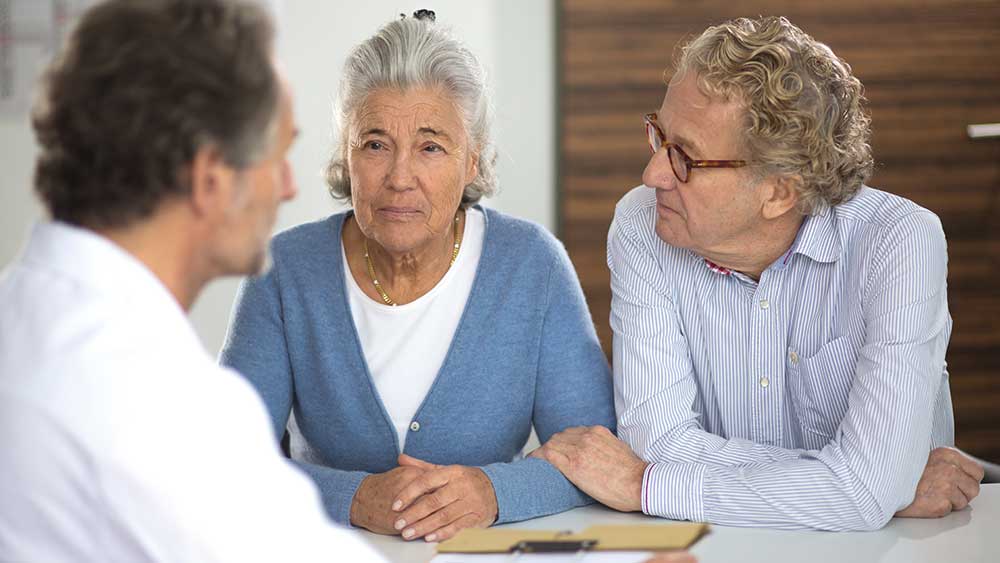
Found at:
[374, 145]
[433, 147]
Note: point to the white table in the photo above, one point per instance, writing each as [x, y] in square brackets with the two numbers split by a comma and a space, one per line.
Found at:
[970, 535]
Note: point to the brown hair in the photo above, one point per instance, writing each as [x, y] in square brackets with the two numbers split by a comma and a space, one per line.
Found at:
[138, 89]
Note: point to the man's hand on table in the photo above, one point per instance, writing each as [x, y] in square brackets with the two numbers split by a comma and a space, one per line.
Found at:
[950, 481]
[442, 501]
[600, 464]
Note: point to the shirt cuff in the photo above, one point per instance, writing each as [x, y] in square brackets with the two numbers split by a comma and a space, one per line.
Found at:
[674, 490]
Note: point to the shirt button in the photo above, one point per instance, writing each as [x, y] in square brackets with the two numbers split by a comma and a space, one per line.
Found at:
[764, 304]
[764, 382]
[415, 426]
[793, 357]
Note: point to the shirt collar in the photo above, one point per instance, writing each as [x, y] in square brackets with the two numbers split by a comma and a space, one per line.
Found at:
[817, 238]
[721, 270]
[97, 263]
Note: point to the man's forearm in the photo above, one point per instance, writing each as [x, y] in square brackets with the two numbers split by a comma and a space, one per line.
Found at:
[805, 493]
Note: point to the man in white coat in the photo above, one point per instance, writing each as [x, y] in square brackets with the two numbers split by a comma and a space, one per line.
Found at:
[163, 130]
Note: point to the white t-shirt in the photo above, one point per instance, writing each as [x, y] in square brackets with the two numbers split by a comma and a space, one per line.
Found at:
[406, 345]
[121, 439]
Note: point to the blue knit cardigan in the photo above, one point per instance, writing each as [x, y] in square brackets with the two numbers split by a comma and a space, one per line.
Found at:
[525, 353]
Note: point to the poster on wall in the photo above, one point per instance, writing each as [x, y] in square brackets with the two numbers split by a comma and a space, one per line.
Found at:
[31, 32]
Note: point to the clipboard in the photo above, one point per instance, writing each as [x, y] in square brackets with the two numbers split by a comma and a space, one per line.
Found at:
[595, 538]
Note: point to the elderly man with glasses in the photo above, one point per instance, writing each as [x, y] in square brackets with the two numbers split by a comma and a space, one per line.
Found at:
[779, 327]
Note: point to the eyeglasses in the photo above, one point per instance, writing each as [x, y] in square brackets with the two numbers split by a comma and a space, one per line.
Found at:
[680, 162]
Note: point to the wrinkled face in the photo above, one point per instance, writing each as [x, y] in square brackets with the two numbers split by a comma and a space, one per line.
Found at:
[716, 206]
[409, 162]
[261, 189]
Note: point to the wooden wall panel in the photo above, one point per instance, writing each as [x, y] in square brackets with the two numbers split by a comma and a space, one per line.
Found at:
[929, 69]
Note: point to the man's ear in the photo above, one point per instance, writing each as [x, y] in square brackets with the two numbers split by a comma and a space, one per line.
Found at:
[212, 182]
[780, 195]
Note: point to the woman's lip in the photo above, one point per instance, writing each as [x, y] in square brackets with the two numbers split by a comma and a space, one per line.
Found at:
[393, 209]
[398, 212]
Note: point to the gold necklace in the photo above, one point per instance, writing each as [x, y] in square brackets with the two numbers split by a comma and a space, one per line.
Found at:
[371, 267]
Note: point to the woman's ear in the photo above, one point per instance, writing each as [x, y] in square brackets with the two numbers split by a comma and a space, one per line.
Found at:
[473, 168]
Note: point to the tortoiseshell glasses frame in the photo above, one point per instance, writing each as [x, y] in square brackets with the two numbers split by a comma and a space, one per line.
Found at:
[680, 162]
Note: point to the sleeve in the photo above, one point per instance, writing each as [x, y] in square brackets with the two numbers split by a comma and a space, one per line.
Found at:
[337, 488]
[256, 348]
[573, 389]
[215, 488]
[857, 481]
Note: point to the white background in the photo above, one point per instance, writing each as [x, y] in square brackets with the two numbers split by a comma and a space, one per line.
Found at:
[515, 40]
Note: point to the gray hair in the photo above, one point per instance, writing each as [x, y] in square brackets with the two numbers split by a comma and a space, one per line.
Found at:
[805, 110]
[409, 53]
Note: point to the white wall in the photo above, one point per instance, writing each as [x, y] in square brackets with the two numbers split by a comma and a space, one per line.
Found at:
[513, 38]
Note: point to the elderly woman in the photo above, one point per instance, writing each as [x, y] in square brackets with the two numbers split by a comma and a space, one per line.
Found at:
[418, 337]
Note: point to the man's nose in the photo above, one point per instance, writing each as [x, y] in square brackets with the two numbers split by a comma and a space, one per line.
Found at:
[658, 173]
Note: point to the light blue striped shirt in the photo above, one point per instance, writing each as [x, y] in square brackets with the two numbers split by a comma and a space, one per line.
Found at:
[809, 399]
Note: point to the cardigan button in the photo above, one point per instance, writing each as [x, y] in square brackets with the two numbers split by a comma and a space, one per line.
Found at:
[415, 426]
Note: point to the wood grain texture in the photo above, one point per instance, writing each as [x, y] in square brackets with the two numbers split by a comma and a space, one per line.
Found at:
[929, 68]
